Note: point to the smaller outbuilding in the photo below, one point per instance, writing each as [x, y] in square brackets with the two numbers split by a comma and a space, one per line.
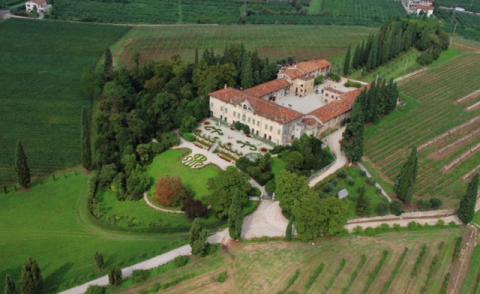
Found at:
[39, 6]
[343, 194]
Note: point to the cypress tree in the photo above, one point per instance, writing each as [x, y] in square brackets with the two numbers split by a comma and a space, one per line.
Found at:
[196, 56]
[10, 287]
[21, 166]
[466, 211]
[85, 138]
[235, 217]
[108, 64]
[198, 238]
[246, 74]
[373, 55]
[407, 177]
[352, 141]
[356, 57]
[346, 62]
[32, 282]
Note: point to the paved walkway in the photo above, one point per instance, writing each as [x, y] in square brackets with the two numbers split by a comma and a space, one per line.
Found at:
[219, 237]
[332, 141]
[152, 205]
[266, 221]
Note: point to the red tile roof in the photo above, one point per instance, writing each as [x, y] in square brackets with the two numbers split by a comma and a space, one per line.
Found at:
[39, 2]
[261, 107]
[337, 108]
[304, 68]
[268, 88]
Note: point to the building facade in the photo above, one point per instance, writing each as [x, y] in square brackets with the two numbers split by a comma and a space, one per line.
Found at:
[40, 6]
[284, 109]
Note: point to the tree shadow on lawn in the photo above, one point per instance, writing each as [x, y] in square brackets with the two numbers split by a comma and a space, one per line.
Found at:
[57, 277]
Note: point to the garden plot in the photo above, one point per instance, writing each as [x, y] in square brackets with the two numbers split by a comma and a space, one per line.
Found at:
[226, 139]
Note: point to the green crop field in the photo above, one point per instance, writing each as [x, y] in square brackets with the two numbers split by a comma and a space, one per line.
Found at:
[303, 42]
[51, 224]
[361, 264]
[40, 101]
[430, 110]
[373, 9]
[472, 280]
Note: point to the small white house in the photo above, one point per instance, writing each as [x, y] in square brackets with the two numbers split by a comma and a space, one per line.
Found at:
[40, 6]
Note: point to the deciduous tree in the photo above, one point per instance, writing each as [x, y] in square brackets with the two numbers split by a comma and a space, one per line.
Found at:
[170, 191]
[289, 188]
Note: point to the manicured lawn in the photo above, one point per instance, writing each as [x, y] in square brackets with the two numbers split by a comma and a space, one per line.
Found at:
[267, 266]
[355, 179]
[41, 63]
[137, 215]
[169, 164]
[51, 223]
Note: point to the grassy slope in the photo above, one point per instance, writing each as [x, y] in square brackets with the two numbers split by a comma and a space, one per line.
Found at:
[40, 68]
[265, 267]
[51, 223]
[303, 42]
[429, 112]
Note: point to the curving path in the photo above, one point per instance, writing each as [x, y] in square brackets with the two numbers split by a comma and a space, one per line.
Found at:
[152, 205]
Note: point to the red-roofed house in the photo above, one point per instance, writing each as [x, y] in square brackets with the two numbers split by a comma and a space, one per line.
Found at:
[426, 7]
[268, 111]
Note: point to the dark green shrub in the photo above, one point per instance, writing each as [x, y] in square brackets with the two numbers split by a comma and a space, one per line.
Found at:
[190, 137]
[396, 207]
[139, 276]
[181, 261]
[222, 277]
[95, 290]
[270, 187]
[115, 276]
[382, 208]
[435, 203]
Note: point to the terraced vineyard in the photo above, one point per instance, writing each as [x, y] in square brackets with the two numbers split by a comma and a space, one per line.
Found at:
[373, 9]
[303, 42]
[431, 111]
[381, 264]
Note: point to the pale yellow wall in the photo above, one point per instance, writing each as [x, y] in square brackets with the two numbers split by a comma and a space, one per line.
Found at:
[229, 113]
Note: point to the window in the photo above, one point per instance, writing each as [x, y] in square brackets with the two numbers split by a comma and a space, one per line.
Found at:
[278, 131]
[271, 128]
[234, 114]
[249, 120]
[244, 106]
[258, 123]
[243, 117]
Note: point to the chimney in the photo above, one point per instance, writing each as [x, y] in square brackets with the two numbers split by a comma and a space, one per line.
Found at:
[225, 86]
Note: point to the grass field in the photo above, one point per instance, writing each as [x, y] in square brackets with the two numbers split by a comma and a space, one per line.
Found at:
[470, 5]
[430, 111]
[271, 266]
[51, 223]
[471, 285]
[303, 42]
[40, 101]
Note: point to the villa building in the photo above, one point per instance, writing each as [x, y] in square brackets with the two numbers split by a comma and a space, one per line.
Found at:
[284, 109]
[418, 7]
[40, 6]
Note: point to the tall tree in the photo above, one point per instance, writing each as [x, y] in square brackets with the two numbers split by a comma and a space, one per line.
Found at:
[406, 179]
[32, 282]
[21, 166]
[466, 211]
[356, 57]
[107, 64]
[86, 143]
[198, 238]
[315, 216]
[347, 61]
[289, 188]
[10, 287]
[352, 141]
[373, 54]
[235, 216]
